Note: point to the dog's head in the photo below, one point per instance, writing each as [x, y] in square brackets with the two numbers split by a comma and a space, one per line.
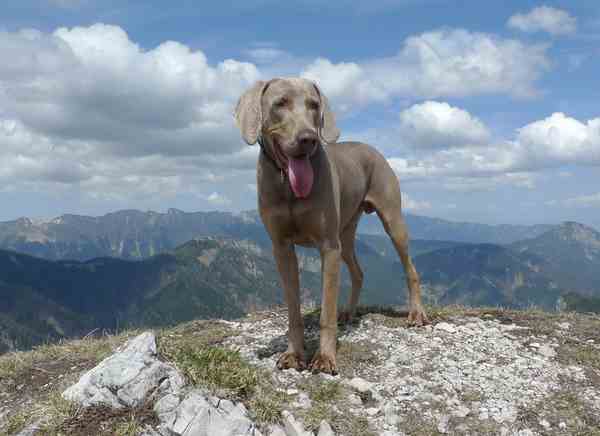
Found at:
[291, 118]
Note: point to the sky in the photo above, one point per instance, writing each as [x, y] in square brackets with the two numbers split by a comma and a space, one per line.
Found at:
[487, 111]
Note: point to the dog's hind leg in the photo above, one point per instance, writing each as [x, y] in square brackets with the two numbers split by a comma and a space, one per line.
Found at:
[356, 274]
[384, 196]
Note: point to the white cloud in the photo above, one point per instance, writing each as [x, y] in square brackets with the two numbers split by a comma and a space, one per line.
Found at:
[553, 142]
[88, 109]
[561, 139]
[443, 63]
[408, 203]
[435, 124]
[95, 84]
[544, 18]
[218, 199]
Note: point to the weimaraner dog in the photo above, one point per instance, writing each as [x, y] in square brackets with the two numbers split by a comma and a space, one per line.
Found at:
[312, 192]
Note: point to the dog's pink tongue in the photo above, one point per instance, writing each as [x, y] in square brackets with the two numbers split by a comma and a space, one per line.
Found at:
[301, 176]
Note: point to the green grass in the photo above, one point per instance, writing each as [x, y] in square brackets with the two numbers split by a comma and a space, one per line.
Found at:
[217, 368]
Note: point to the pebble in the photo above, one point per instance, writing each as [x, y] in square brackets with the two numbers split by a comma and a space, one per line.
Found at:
[445, 327]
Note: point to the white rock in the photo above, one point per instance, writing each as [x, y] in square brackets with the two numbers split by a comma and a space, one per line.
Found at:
[372, 411]
[461, 412]
[276, 430]
[302, 401]
[325, 429]
[354, 400]
[544, 423]
[360, 384]
[125, 378]
[563, 325]
[547, 351]
[562, 425]
[293, 427]
[446, 327]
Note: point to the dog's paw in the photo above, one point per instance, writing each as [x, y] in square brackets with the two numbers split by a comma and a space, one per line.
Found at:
[290, 359]
[417, 317]
[323, 363]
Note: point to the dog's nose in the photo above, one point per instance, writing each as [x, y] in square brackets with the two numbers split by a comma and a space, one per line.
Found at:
[307, 140]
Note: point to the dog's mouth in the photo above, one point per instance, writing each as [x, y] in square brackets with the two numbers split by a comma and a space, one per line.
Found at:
[299, 170]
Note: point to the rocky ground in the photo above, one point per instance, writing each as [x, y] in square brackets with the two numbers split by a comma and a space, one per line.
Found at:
[473, 371]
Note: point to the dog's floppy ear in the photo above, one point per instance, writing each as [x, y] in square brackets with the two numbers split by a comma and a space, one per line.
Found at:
[328, 131]
[248, 112]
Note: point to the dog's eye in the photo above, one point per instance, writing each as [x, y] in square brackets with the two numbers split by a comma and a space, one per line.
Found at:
[313, 105]
[282, 102]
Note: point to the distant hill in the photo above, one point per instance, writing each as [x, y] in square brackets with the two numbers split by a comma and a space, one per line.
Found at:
[128, 234]
[44, 300]
[230, 271]
[573, 254]
[133, 234]
[422, 227]
[487, 275]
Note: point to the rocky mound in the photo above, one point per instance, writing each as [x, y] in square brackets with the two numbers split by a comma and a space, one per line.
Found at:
[471, 372]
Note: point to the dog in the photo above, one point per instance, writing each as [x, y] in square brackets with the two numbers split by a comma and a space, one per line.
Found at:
[312, 192]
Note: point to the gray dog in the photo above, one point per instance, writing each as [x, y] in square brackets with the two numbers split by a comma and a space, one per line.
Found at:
[312, 192]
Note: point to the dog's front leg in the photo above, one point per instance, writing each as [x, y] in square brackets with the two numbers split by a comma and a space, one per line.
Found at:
[287, 264]
[324, 359]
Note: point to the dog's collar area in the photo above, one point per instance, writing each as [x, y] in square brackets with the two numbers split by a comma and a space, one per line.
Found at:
[272, 159]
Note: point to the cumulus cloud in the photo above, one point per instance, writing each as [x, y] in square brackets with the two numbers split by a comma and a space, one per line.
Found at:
[443, 63]
[561, 139]
[546, 19]
[413, 205]
[218, 199]
[549, 143]
[87, 107]
[95, 84]
[435, 124]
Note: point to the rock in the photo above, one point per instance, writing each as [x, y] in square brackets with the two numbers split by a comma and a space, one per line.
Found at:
[276, 430]
[195, 415]
[544, 423]
[547, 351]
[354, 400]
[125, 378]
[461, 412]
[293, 427]
[563, 325]
[445, 327]
[372, 411]
[303, 401]
[360, 384]
[325, 429]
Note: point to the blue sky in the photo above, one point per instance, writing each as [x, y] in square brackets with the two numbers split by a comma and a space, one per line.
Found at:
[486, 110]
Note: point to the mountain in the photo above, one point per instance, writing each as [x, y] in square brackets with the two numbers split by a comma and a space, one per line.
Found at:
[132, 234]
[422, 227]
[487, 275]
[573, 254]
[43, 300]
[382, 244]
[128, 234]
